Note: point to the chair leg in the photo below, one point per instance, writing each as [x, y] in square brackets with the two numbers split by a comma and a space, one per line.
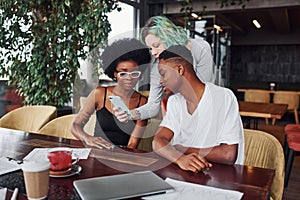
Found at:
[289, 166]
[255, 123]
[296, 116]
[247, 122]
[273, 121]
[267, 121]
[285, 150]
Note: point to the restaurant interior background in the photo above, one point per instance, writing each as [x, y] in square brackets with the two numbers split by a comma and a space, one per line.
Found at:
[244, 56]
[249, 57]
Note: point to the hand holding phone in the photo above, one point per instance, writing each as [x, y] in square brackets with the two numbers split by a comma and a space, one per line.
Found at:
[118, 102]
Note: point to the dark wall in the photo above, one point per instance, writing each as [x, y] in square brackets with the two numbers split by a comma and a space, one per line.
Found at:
[265, 63]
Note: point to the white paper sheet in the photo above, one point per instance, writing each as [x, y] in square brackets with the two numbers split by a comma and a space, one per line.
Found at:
[191, 191]
[39, 154]
[7, 165]
[3, 192]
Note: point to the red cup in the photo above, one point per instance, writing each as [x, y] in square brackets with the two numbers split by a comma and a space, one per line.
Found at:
[61, 158]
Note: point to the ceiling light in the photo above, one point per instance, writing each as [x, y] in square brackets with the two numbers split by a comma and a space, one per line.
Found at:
[196, 16]
[218, 28]
[255, 22]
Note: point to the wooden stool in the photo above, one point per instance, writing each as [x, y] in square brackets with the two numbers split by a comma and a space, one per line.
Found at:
[291, 148]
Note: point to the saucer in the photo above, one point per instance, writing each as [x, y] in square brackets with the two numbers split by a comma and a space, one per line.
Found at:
[61, 172]
[76, 169]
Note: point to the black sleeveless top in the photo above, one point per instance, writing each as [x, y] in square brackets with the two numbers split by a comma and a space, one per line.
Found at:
[110, 128]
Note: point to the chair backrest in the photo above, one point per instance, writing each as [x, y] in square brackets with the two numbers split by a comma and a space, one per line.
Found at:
[264, 150]
[61, 126]
[261, 96]
[286, 97]
[145, 143]
[28, 118]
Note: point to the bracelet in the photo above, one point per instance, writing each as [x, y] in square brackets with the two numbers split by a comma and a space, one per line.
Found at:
[137, 114]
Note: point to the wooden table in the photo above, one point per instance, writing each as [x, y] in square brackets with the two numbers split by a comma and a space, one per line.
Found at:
[261, 110]
[254, 182]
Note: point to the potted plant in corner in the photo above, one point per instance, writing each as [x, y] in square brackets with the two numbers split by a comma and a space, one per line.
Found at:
[42, 40]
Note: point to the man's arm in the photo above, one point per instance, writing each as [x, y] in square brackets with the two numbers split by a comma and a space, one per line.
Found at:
[224, 153]
[191, 162]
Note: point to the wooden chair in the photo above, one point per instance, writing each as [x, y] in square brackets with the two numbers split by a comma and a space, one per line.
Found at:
[264, 150]
[28, 118]
[291, 148]
[260, 96]
[253, 95]
[290, 98]
[61, 126]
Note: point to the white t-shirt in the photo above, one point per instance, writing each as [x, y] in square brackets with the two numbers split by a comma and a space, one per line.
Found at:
[216, 120]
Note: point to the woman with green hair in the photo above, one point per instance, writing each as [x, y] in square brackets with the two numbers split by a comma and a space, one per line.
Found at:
[159, 33]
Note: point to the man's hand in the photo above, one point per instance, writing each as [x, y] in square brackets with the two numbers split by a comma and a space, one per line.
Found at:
[193, 162]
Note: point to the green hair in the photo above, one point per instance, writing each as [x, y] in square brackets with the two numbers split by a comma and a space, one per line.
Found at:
[165, 30]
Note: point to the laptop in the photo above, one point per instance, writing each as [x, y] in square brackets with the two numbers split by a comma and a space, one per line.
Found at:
[122, 186]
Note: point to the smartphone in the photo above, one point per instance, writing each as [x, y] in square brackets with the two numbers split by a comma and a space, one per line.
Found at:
[118, 102]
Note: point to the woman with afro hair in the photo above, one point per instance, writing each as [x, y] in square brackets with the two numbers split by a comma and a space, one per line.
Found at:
[123, 61]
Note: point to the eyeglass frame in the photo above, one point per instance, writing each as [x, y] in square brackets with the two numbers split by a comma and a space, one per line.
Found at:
[128, 74]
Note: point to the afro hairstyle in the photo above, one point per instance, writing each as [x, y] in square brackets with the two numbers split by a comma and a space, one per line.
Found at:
[127, 49]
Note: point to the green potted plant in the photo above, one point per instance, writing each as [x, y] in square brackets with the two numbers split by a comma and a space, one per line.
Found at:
[42, 41]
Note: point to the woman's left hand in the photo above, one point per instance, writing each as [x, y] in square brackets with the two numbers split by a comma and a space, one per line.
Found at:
[98, 142]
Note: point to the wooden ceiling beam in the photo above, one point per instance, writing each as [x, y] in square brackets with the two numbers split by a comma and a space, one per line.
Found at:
[280, 18]
[231, 23]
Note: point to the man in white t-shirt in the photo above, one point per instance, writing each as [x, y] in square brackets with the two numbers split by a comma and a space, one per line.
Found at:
[202, 123]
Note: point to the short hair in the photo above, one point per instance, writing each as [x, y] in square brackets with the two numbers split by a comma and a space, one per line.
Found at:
[177, 51]
[165, 30]
[127, 49]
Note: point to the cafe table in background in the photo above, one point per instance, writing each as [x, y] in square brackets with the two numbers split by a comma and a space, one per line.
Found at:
[255, 110]
[253, 182]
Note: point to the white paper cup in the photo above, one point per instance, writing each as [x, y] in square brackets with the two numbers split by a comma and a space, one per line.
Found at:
[36, 176]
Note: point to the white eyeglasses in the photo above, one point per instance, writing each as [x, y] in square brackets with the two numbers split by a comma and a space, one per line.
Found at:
[133, 74]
